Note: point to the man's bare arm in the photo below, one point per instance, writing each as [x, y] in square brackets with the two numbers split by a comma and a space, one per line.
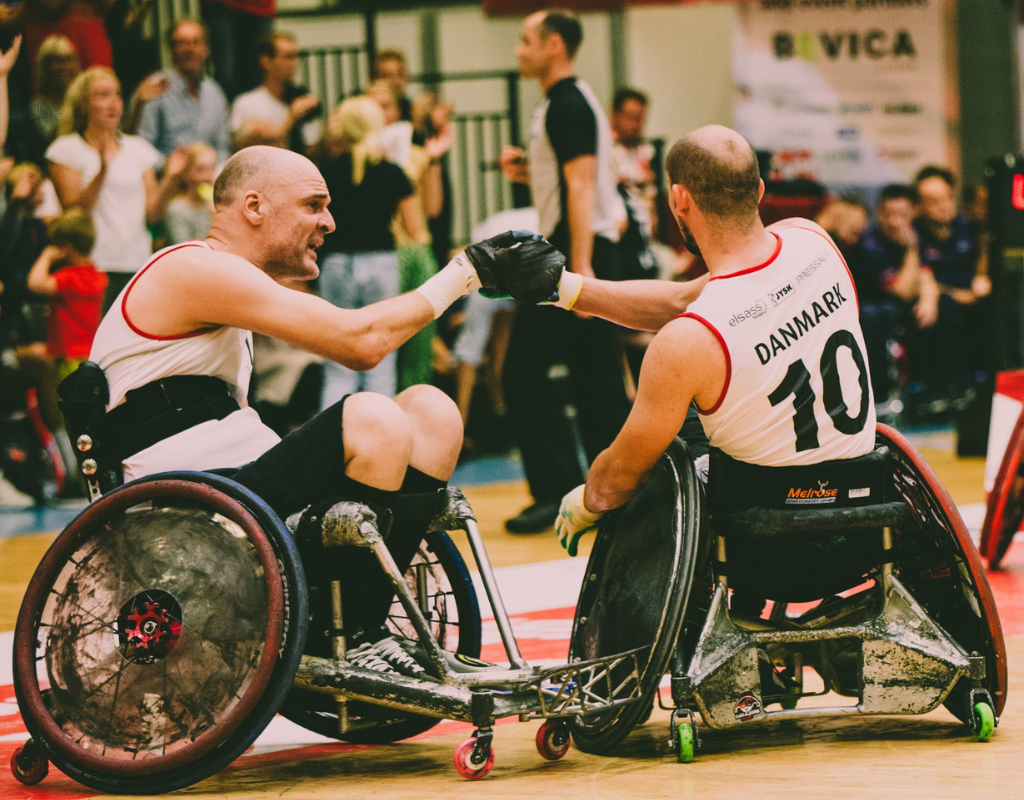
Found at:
[581, 180]
[640, 305]
[188, 291]
[684, 362]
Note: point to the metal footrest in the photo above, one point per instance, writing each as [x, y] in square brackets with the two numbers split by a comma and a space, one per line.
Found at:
[585, 687]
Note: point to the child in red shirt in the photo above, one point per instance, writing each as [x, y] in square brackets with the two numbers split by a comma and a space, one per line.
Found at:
[65, 274]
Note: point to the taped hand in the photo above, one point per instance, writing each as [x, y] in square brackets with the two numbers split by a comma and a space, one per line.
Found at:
[574, 520]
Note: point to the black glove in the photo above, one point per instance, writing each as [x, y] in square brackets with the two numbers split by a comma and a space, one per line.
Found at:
[520, 264]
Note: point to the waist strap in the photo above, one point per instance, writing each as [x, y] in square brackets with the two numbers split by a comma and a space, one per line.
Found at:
[162, 409]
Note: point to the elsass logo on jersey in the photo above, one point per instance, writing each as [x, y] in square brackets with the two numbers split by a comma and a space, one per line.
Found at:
[812, 497]
[782, 293]
[759, 309]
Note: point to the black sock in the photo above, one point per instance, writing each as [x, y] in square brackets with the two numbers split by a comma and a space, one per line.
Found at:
[416, 481]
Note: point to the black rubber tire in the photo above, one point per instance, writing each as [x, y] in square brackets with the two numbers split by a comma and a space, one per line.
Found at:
[675, 490]
[316, 713]
[295, 620]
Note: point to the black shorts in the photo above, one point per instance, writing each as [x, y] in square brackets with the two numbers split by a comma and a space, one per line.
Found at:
[306, 466]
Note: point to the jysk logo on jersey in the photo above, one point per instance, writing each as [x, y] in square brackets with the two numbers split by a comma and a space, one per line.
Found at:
[812, 497]
[781, 293]
[759, 309]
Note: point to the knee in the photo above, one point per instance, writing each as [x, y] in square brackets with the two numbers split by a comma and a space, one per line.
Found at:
[373, 424]
[431, 411]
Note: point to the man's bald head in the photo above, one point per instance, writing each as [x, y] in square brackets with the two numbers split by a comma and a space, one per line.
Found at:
[718, 168]
[259, 168]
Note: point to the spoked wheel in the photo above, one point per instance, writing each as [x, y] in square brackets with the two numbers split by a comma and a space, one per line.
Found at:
[1004, 512]
[440, 580]
[938, 563]
[635, 593]
[160, 633]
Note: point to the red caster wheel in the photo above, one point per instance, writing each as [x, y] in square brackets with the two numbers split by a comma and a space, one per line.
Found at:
[29, 764]
[472, 760]
[553, 740]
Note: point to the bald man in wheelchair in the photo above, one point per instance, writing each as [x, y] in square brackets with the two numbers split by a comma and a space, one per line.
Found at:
[768, 346]
[176, 356]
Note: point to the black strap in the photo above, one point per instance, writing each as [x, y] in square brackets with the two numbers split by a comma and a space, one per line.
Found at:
[162, 409]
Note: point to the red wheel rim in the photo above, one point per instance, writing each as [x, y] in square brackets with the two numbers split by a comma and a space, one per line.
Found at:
[889, 436]
[27, 682]
[545, 741]
[1000, 514]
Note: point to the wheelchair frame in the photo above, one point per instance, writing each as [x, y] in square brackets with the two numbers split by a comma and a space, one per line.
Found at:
[902, 658]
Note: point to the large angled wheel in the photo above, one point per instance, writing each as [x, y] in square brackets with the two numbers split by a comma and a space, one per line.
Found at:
[160, 633]
[939, 564]
[1005, 509]
[440, 581]
[636, 589]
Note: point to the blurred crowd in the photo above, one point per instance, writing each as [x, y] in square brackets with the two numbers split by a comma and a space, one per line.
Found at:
[107, 158]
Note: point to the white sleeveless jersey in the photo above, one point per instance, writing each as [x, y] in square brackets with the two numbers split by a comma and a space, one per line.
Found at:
[131, 358]
[797, 389]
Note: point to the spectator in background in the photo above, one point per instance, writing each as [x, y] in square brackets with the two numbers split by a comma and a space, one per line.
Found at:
[81, 21]
[6, 65]
[288, 108]
[432, 116]
[22, 239]
[133, 28]
[390, 66]
[184, 106]
[950, 245]
[56, 67]
[360, 265]
[422, 163]
[633, 156]
[236, 26]
[76, 288]
[574, 188]
[110, 175]
[895, 292]
[190, 214]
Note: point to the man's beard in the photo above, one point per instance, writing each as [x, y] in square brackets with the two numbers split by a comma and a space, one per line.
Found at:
[688, 240]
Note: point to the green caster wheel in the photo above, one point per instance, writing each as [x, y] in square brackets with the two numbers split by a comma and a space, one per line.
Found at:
[790, 702]
[685, 740]
[983, 721]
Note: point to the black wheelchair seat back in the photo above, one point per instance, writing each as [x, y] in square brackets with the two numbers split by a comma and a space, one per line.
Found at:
[804, 532]
[84, 395]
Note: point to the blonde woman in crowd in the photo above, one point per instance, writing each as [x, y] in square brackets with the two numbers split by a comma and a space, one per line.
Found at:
[190, 214]
[110, 175]
[360, 265]
[422, 165]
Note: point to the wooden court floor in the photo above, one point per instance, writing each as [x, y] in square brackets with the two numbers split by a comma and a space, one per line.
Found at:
[912, 757]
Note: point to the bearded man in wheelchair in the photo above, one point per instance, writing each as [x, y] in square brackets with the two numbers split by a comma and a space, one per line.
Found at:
[802, 498]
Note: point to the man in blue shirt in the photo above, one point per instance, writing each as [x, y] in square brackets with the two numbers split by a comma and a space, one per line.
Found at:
[182, 106]
[951, 246]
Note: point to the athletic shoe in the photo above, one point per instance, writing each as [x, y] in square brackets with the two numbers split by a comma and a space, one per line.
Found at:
[537, 518]
[367, 657]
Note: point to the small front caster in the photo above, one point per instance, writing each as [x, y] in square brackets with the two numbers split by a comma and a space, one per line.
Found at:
[685, 739]
[553, 739]
[474, 758]
[29, 764]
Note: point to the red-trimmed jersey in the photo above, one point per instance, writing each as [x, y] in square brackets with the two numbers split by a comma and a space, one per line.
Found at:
[797, 389]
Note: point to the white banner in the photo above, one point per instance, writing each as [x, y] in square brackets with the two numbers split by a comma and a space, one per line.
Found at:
[849, 92]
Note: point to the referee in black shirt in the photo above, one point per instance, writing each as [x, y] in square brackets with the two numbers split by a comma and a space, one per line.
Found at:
[572, 181]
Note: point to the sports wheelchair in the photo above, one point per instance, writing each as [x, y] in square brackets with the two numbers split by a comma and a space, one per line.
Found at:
[873, 580]
[166, 626]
